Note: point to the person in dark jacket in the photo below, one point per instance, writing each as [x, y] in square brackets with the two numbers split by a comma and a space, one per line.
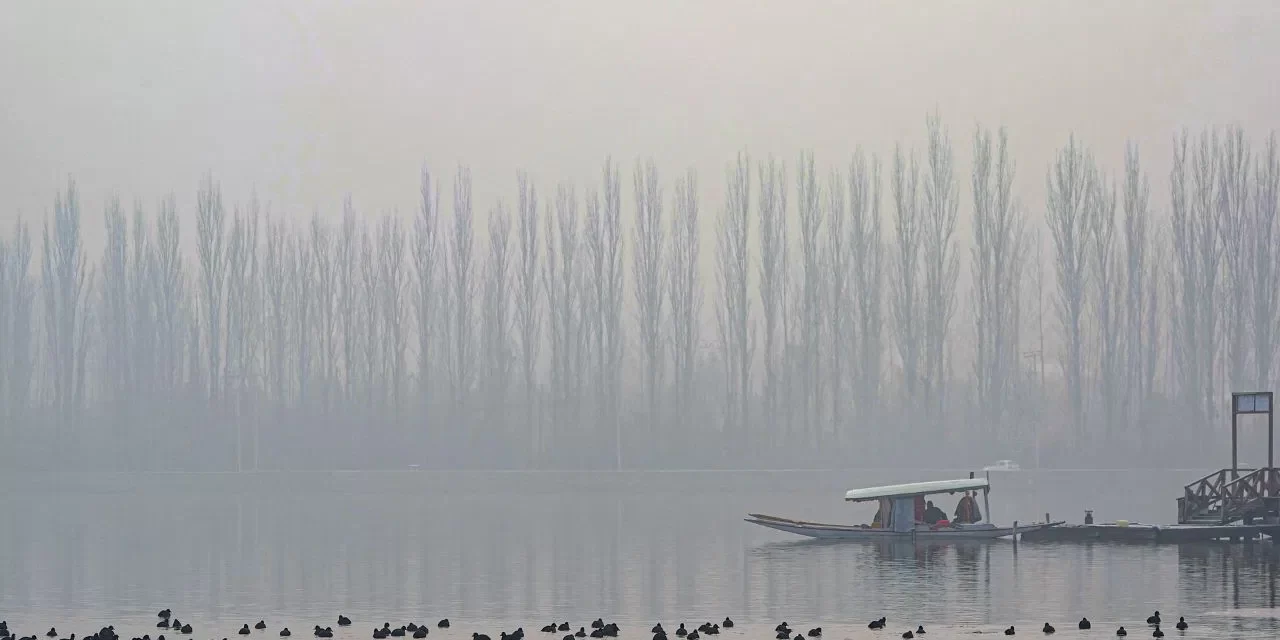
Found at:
[932, 514]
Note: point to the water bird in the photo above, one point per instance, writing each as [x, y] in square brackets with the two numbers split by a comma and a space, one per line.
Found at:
[908, 635]
[420, 633]
[693, 635]
[479, 636]
[285, 633]
[785, 634]
[343, 621]
[1182, 624]
[1154, 619]
[564, 626]
[658, 636]
[551, 628]
[186, 628]
[164, 613]
[244, 630]
[1084, 623]
[1157, 633]
[163, 624]
[597, 623]
[1009, 631]
[782, 627]
[262, 624]
[582, 632]
[443, 624]
[728, 624]
[398, 632]
[920, 630]
[876, 624]
[1048, 628]
[380, 634]
[1121, 632]
[712, 630]
[815, 632]
[657, 628]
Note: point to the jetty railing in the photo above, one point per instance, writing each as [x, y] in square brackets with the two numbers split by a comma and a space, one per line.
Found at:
[1230, 494]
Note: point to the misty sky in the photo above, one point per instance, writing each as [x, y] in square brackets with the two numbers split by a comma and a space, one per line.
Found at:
[310, 100]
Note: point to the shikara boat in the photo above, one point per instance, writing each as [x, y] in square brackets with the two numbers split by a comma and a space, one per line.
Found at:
[901, 499]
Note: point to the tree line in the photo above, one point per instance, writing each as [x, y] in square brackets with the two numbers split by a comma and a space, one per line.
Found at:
[820, 323]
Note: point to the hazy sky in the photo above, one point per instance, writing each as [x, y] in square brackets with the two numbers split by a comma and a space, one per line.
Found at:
[310, 100]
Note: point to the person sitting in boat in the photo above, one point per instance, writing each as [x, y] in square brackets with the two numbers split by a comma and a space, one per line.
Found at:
[882, 515]
[932, 514]
[967, 510]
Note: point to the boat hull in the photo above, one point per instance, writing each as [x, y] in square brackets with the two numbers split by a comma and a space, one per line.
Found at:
[847, 532]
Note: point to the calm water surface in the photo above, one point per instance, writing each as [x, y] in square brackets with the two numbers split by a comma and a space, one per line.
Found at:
[496, 551]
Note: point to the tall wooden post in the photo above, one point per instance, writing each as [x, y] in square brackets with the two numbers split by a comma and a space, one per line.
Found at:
[1252, 402]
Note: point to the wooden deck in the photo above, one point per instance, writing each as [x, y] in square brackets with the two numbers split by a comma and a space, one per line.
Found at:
[1152, 534]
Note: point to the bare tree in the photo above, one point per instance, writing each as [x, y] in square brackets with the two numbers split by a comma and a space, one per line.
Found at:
[905, 302]
[528, 311]
[1265, 272]
[809, 203]
[648, 269]
[609, 305]
[941, 263]
[210, 236]
[425, 262]
[349, 293]
[867, 250]
[391, 264]
[17, 295]
[462, 290]
[275, 263]
[560, 280]
[733, 314]
[67, 285]
[1234, 191]
[497, 325]
[170, 285]
[1139, 281]
[998, 249]
[1107, 300]
[302, 305]
[1068, 183]
[115, 372]
[371, 318]
[326, 301]
[773, 249]
[243, 318]
[839, 339]
[685, 296]
[16, 332]
[1196, 221]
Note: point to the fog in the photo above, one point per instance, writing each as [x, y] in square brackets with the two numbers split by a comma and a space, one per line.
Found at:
[643, 236]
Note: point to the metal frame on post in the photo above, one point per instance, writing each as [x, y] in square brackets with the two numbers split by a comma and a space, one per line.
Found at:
[1249, 403]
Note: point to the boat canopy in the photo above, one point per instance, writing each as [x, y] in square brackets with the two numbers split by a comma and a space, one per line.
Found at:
[914, 489]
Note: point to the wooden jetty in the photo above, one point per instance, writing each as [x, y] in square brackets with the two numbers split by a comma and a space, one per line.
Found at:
[1236, 504]
[1151, 533]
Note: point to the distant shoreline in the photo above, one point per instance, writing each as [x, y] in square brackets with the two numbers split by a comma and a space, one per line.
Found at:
[497, 481]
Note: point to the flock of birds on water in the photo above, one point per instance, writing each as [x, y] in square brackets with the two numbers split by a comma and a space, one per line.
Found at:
[599, 629]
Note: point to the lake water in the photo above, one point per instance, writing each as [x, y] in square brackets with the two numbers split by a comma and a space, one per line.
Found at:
[501, 550]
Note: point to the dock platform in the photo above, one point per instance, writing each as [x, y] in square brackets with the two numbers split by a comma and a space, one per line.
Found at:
[1148, 533]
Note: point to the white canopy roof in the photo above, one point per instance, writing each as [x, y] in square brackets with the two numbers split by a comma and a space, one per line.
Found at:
[914, 489]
